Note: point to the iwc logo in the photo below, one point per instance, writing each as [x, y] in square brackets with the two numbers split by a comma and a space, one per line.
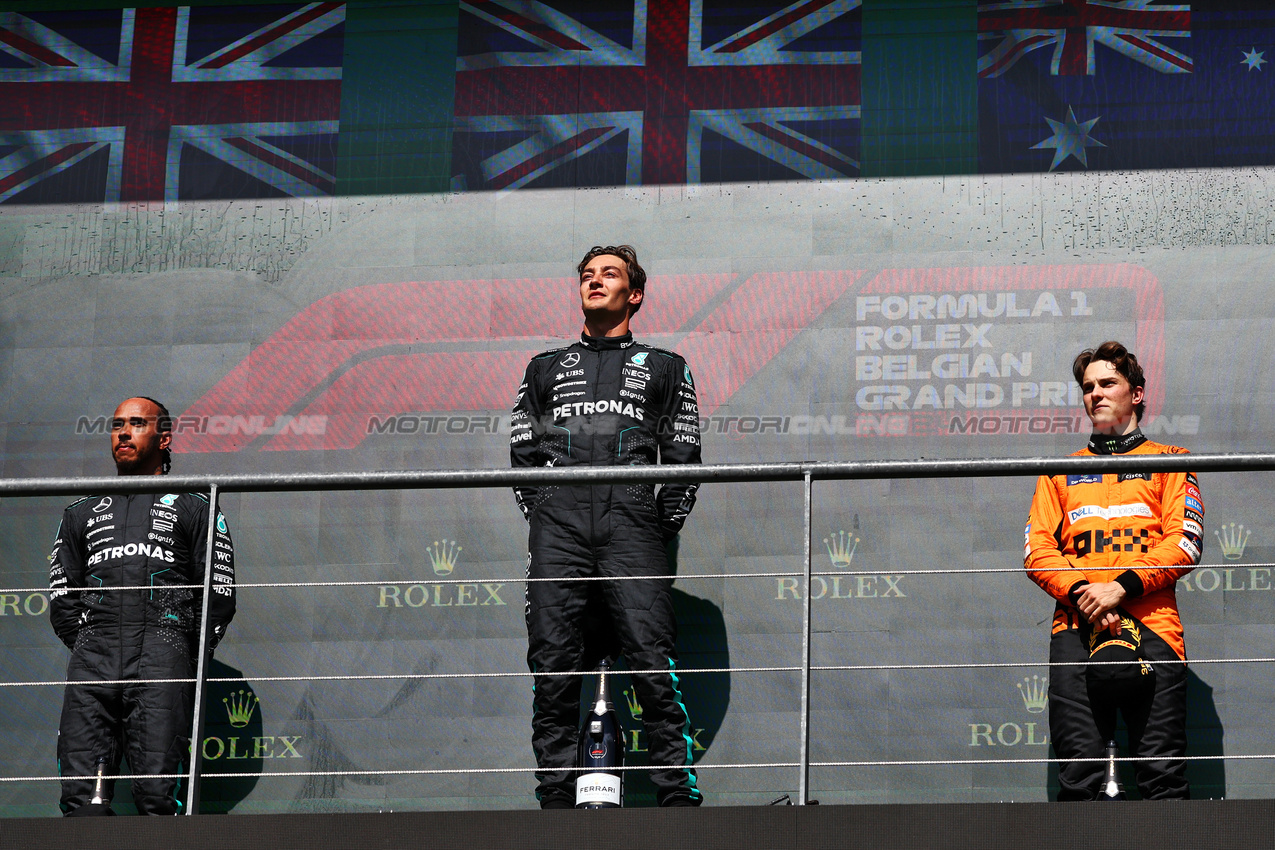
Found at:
[1034, 697]
[443, 556]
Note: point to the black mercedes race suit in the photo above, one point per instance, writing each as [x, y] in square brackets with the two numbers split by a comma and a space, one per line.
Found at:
[153, 541]
[609, 401]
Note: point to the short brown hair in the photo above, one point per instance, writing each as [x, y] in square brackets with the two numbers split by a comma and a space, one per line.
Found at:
[637, 275]
[1121, 359]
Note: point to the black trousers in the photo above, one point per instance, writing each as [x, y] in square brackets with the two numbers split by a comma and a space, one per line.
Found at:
[610, 538]
[148, 722]
[1155, 717]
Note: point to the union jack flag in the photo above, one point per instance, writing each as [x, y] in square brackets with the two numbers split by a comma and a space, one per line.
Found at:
[170, 104]
[655, 92]
[1072, 28]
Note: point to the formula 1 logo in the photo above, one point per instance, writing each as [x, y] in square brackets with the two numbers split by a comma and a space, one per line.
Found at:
[393, 360]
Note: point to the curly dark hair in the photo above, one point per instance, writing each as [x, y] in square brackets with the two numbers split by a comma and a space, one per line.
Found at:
[1121, 359]
[637, 275]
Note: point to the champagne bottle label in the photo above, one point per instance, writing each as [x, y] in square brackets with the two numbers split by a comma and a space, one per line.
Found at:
[598, 788]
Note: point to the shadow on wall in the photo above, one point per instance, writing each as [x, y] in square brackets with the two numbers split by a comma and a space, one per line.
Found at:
[1204, 737]
[233, 742]
[232, 732]
[701, 644]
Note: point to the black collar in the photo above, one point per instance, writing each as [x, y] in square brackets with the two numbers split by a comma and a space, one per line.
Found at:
[606, 343]
[1106, 444]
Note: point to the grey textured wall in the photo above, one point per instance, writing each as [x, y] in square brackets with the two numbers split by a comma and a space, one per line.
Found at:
[329, 320]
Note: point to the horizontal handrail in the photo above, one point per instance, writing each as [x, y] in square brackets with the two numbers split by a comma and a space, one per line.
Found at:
[706, 473]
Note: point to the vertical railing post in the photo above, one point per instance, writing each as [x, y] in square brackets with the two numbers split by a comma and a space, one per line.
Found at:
[803, 783]
[201, 666]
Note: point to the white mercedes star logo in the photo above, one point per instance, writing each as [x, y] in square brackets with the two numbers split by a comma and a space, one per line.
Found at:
[571, 359]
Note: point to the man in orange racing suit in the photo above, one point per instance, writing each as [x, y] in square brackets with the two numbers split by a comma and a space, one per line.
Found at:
[1109, 549]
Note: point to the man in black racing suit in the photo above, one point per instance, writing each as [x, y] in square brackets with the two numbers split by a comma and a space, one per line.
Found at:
[606, 400]
[150, 540]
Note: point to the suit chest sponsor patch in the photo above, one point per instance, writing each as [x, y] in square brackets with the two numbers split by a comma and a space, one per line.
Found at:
[1134, 476]
[1109, 512]
[1086, 478]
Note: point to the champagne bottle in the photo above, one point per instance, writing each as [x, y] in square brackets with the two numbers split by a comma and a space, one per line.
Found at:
[1111, 782]
[599, 784]
[99, 785]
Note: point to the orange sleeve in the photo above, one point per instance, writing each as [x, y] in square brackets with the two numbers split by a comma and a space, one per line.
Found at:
[1042, 553]
[1182, 544]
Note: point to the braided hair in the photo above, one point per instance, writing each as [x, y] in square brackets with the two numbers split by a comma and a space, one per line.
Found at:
[164, 425]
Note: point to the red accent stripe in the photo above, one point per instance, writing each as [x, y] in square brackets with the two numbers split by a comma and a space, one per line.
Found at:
[321, 341]
[270, 35]
[285, 165]
[1075, 53]
[560, 91]
[535, 28]
[35, 51]
[1157, 51]
[574, 143]
[800, 146]
[52, 160]
[773, 27]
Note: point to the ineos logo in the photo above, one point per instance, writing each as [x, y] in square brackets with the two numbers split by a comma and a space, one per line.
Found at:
[571, 359]
[102, 505]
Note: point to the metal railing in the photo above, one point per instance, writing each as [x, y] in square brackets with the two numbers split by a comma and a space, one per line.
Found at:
[805, 472]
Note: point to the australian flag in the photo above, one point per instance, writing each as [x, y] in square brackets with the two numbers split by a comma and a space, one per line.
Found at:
[591, 93]
[170, 104]
[1125, 84]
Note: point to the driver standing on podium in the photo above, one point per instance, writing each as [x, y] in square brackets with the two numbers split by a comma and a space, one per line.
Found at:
[606, 400]
[155, 541]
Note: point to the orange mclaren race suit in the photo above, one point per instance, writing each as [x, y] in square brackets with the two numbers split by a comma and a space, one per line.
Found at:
[1144, 530]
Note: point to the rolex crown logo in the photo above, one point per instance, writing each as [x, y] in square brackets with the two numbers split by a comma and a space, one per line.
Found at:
[1035, 693]
[1233, 541]
[841, 548]
[239, 707]
[635, 708]
[442, 556]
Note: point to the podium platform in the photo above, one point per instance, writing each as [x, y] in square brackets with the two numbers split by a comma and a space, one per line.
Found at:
[1215, 824]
